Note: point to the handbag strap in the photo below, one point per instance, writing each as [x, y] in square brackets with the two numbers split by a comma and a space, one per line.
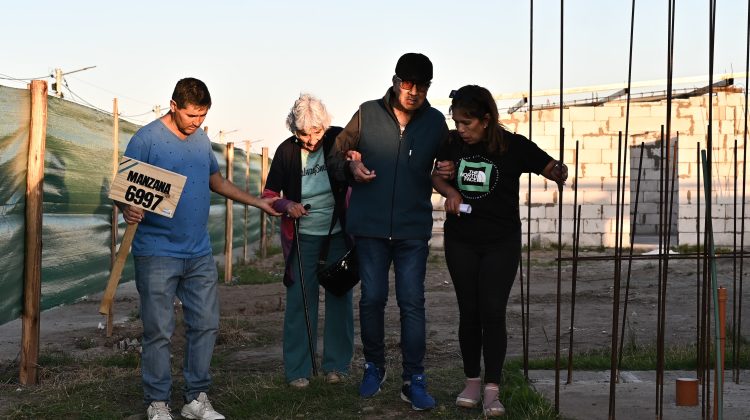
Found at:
[327, 241]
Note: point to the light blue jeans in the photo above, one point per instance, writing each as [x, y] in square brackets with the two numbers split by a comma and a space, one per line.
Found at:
[338, 335]
[194, 282]
[409, 259]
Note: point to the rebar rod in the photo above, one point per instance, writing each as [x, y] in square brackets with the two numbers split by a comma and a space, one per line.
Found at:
[705, 379]
[734, 260]
[616, 297]
[559, 220]
[630, 254]
[523, 316]
[669, 207]
[714, 288]
[525, 327]
[708, 161]
[738, 323]
[528, 287]
[574, 278]
[714, 285]
[559, 276]
[659, 341]
[664, 251]
[698, 259]
[635, 212]
[620, 248]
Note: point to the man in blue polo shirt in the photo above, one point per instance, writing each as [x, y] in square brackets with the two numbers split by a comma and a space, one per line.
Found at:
[173, 256]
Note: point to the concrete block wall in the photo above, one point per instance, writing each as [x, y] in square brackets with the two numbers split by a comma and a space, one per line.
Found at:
[595, 128]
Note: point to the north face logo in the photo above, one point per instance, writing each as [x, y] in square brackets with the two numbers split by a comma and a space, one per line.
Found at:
[474, 176]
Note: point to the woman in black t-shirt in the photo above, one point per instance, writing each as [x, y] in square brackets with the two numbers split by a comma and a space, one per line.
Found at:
[483, 246]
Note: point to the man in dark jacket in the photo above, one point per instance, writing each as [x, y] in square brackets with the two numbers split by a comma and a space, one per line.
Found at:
[390, 215]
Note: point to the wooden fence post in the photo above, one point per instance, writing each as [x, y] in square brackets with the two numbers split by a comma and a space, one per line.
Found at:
[33, 242]
[263, 176]
[245, 256]
[228, 227]
[113, 237]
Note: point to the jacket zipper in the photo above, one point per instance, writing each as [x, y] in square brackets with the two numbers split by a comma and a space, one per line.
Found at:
[395, 177]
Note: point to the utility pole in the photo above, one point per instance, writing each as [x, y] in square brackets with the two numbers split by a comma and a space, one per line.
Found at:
[249, 145]
[221, 135]
[157, 111]
[57, 86]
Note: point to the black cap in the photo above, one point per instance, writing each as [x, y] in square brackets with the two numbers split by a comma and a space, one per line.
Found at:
[414, 67]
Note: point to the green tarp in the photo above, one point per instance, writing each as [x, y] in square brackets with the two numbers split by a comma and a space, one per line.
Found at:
[76, 231]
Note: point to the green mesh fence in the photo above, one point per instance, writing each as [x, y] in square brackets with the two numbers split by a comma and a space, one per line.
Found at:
[14, 134]
[77, 213]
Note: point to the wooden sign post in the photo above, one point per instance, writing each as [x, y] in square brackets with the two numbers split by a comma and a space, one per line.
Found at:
[146, 186]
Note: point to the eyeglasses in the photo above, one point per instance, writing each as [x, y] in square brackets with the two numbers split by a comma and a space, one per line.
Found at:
[408, 84]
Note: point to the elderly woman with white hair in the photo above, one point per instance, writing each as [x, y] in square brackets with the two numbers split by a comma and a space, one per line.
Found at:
[298, 175]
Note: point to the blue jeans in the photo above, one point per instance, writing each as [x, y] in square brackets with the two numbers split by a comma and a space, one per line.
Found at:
[193, 281]
[338, 335]
[409, 258]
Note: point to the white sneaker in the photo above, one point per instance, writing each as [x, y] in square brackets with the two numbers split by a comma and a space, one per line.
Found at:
[299, 383]
[200, 408]
[158, 410]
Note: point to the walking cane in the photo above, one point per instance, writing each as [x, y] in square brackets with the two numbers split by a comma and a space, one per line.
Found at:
[304, 297]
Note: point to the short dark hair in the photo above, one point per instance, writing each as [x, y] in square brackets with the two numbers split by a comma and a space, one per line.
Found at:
[191, 91]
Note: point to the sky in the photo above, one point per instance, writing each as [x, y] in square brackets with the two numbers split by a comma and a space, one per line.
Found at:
[257, 56]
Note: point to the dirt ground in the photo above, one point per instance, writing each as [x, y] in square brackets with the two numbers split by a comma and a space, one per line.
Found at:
[257, 312]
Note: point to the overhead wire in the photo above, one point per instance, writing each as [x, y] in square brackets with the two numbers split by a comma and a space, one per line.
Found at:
[22, 79]
[118, 95]
[80, 99]
[83, 101]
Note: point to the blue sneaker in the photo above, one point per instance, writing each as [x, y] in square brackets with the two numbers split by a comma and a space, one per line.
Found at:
[371, 380]
[416, 393]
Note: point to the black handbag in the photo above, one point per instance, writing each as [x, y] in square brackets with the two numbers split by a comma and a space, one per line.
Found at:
[339, 277]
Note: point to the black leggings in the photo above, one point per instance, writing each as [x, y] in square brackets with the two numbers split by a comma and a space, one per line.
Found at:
[483, 276]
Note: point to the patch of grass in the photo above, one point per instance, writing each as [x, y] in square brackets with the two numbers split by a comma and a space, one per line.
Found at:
[233, 332]
[218, 359]
[84, 343]
[555, 246]
[8, 372]
[680, 357]
[54, 358]
[600, 248]
[90, 391]
[134, 315]
[129, 360]
[688, 249]
[551, 262]
[536, 244]
[237, 332]
[270, 251]
[82, 393]
[249, 274]
[267, 396]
